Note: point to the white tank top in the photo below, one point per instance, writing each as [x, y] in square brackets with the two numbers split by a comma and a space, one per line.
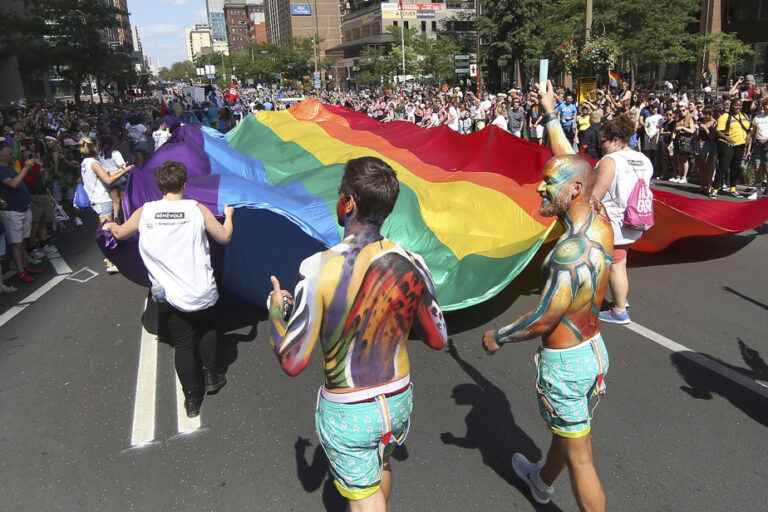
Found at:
[94, 187]
[630, 165]
[174, 247]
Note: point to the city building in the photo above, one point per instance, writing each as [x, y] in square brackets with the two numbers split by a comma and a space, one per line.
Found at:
[288, 19]
[365, 25]
[198, 41]
[246, 23]
[215, 12]
[119, 38]
[138, 51]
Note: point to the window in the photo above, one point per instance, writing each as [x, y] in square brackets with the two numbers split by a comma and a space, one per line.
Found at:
[394, 23]
[434, 26]
[423, 26]
[405, 25]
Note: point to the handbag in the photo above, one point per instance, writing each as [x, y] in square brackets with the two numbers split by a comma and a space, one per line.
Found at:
[81, 201]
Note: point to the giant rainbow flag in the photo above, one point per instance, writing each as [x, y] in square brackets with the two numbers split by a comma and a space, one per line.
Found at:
[468, 204]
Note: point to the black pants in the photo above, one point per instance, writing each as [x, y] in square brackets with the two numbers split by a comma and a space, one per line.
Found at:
[728, 165]
[195, 339]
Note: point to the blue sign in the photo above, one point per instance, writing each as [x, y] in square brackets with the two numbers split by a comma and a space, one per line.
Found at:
[301, 10]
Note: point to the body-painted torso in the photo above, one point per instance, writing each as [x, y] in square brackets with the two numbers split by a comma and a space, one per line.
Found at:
[581, 255]
[360, 299]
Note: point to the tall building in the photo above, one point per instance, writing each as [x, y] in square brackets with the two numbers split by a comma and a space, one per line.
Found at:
[287, 19]
[198, 40]
[246, 23]
[138, 51]
[119, 38]
[215, 12]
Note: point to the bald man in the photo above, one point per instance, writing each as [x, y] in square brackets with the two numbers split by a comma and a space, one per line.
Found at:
[572, 361]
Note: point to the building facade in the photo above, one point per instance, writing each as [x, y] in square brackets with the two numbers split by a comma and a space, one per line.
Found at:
[246, 23]
[288, 19]
[215, 12]
[198, 41]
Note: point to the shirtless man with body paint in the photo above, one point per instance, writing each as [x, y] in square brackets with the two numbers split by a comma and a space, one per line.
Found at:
[359, 299]
[572, 361]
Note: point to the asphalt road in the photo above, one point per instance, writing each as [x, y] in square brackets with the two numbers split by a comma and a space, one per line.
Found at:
[670, 435]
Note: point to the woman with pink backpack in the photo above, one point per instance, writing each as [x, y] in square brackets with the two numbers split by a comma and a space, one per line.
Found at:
[623, 178]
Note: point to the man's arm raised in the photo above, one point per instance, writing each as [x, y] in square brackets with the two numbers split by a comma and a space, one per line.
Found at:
[557, 139]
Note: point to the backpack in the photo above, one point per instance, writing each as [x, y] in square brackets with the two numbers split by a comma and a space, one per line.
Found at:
[638, 214]
[81, 201]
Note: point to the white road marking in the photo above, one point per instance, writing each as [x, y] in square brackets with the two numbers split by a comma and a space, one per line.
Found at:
[59, 265]
[700, 359]
[30, 299]
[85, 271]
[143, 429]
[185, 425]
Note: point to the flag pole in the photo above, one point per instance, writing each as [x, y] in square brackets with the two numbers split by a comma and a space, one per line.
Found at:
[402, 36]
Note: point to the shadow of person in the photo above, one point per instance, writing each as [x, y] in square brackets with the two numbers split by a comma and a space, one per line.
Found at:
[703, 383]
[491, 427]
[313, 475]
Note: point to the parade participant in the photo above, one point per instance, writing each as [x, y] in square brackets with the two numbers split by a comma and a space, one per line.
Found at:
[96, 179]
[758, 146]
[733, 128]
[359, 299]
[572, 361]
[618, 173]
[174, 248]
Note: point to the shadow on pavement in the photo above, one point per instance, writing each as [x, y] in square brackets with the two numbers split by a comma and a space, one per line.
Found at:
[703, 383]
[746, 297]
[691, 250]
[491, 427]
[318, 473]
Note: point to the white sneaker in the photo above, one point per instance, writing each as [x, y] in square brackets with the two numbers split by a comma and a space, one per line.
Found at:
[528, 472]
[112, 269]
[7, 289]
[683, 180]
[78, 222]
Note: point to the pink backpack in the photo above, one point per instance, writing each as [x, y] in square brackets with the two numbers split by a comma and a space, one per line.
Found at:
[639, 212]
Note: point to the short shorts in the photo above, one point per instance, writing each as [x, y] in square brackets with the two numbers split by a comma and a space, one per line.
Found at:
[352, 437]
[569, 383]
[42, 209]
[18, 225]
[620, 253]
[760, 153]
[102, 209]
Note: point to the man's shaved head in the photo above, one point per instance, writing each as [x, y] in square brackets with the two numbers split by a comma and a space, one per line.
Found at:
[566, 177]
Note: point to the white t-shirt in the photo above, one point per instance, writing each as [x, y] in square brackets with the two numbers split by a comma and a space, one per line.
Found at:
[761, 124]
[501, 122]
[453, 118]
[174, 248]
[630, 165]
[652, 125]
[113, 163]
[97, 192]
[160, 137]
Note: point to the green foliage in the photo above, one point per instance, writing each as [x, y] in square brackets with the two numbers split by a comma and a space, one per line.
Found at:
[68, 35]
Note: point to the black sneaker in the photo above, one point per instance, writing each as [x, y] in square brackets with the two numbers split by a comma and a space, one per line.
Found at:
[192, 403]
[214, 382]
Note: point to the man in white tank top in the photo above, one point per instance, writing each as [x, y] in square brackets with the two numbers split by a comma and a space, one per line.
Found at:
[174, 247]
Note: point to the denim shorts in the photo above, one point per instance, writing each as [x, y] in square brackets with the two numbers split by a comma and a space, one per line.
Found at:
[102, 209]
[569, 384]
[760, 153]
[357, 439]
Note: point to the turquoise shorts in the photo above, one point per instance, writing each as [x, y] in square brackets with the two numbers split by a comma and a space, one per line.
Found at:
[355, 439]
[569, 384]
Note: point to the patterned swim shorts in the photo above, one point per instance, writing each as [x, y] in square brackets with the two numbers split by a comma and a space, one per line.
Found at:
[568, 380]
[357, 438]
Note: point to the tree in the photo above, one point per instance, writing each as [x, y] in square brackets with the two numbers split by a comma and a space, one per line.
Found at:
[68, 35]
[436, 59]
[726, 48]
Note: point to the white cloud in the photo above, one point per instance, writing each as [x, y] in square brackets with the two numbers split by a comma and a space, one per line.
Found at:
[176, 3]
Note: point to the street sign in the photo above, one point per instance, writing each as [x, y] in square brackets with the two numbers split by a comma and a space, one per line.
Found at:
[473, 70]
[316, 83]
[301, 10]
[462, 71]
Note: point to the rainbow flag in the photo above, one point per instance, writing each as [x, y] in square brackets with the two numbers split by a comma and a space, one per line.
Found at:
[467, 204]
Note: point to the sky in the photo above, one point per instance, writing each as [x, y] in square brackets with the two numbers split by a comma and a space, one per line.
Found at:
[161, 26]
